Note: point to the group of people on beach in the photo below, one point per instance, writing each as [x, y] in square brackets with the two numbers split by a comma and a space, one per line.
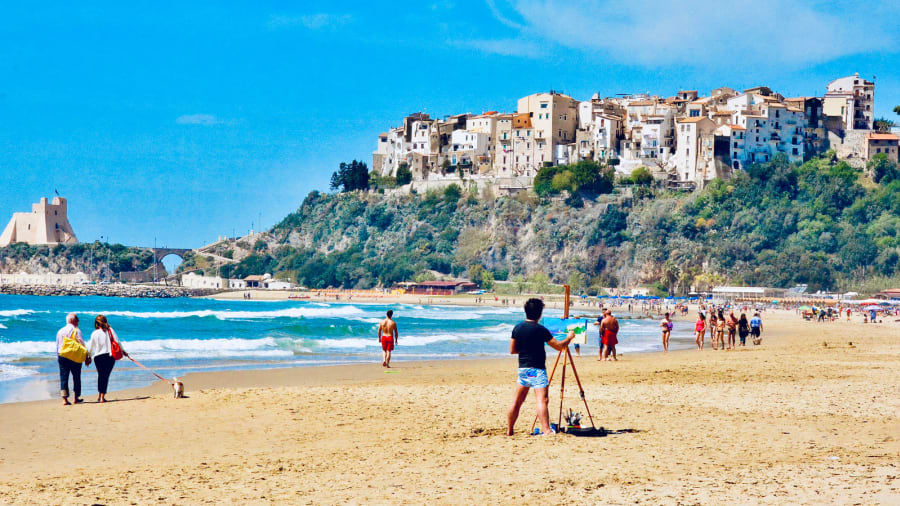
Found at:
[717, 325]
[103, 349]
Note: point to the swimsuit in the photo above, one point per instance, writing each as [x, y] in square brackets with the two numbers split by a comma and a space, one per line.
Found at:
[609, 338]
[387, 343]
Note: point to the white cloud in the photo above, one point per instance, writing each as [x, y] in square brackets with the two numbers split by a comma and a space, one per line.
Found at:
[708, 32]
[200, 119]
[309, 21]
[505, 47]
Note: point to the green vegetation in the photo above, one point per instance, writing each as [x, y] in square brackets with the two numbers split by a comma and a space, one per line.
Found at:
[777, 224]
[97, 257]
[351, 176]
[883, 125]
[584, 177]
[641, 176]
[897, 109]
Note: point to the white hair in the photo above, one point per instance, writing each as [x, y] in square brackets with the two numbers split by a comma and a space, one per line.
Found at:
[71, 317]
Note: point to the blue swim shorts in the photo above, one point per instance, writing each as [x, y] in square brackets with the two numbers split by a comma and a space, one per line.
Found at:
[533, 378]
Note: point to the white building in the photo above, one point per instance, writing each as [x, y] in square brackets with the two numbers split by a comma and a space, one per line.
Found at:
[695, 154]
[194, 280]
[770, 128]
[853, 100]
[23, 278]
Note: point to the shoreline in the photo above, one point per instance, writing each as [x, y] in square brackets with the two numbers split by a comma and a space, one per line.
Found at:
[685, 427]
[824, 408]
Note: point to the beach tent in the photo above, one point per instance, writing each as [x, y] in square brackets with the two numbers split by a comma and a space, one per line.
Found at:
[873, 308]
[804, 308]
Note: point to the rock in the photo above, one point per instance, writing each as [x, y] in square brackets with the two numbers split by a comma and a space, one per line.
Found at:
[116, 290]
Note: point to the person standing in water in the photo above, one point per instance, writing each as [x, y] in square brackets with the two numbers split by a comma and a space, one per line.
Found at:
[666, 326]
[388, 336]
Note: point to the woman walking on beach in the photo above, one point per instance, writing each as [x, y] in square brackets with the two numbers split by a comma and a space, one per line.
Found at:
[700, 330]
[720, 332]
[743, 328]
[666, 326]
[102, 347]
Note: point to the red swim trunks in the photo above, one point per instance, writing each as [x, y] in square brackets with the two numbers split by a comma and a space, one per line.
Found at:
[387, 343]
[609, 338]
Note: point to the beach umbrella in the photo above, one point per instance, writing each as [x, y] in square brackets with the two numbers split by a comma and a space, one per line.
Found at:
[873, 308]
[805, 308]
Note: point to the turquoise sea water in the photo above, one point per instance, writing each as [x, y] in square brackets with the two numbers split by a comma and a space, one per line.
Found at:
[178, 336]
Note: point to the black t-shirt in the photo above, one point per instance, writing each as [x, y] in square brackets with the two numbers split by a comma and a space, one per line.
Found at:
[530, 338]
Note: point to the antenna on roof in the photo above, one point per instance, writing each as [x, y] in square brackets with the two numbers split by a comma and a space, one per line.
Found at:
[56, 192]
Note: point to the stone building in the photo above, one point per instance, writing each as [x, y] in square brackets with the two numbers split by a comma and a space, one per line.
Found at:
[47, 223]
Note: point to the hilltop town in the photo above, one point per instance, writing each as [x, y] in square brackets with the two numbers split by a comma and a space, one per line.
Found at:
[685, 140]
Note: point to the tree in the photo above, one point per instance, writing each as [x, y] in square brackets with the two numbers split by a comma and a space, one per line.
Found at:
[452, 193]
[642, 176]
[351, 176]
[883, 169]
[883, 125]
[404, 175]
[897, 109]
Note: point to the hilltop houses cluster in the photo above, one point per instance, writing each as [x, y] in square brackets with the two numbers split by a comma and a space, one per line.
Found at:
[685, 140]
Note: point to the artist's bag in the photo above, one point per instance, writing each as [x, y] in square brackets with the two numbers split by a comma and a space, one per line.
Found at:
[114, 349]
[72, 349]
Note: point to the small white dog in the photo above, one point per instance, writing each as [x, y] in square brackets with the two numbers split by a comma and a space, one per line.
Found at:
[178, 387]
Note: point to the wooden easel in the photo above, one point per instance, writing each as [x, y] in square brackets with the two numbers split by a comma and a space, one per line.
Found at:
[562, 384]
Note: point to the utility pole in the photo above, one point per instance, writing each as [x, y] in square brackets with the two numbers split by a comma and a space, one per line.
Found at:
[154, 260]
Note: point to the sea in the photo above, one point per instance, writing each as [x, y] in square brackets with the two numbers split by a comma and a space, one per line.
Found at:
[175, 337]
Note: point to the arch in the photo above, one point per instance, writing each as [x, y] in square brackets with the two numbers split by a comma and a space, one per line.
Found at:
[170, 265]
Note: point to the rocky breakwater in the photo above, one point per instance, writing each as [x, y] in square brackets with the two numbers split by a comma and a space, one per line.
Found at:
[116, 290]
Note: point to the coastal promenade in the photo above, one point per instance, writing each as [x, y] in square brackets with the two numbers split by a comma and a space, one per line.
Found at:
[809, 417]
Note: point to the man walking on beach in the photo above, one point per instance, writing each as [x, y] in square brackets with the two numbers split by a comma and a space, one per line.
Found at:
[388, 336]
[527, 341]
[66, 366]
[756, 329]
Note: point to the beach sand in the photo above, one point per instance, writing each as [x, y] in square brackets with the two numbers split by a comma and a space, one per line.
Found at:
[793, 421]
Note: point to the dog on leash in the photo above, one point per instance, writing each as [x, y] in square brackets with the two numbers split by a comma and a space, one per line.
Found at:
[178, 387]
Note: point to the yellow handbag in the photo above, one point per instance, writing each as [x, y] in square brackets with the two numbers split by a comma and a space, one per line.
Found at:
[72, 349]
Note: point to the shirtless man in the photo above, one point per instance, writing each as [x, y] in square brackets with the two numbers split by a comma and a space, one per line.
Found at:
[388, 337]
[609, 329]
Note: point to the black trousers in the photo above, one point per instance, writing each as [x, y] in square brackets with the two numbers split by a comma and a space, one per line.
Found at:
[67, 367]
[105, 364]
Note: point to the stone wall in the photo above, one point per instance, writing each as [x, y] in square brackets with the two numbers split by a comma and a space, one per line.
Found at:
[133, 291]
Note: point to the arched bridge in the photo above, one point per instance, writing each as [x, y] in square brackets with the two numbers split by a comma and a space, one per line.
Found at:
[160, 253]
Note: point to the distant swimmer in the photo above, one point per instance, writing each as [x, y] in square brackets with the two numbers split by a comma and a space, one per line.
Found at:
[388, 336]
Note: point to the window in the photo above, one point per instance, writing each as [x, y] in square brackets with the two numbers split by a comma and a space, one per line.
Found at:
[544, 105]
[695, 113]
[878, 150]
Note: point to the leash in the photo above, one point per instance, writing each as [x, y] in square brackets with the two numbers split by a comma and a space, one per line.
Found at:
[142, 366]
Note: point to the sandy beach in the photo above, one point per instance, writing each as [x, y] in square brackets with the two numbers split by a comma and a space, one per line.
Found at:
[807, 418]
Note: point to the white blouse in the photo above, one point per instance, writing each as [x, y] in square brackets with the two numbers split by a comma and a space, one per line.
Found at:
[99, 343]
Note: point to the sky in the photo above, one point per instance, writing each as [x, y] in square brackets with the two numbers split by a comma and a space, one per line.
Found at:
[179, 122]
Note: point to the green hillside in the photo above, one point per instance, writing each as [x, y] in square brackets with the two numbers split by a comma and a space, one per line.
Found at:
[823, 223]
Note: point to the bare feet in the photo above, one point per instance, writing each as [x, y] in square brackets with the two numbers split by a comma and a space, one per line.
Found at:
[383, 363]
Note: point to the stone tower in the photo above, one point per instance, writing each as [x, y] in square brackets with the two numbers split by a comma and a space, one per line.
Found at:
[47, 223]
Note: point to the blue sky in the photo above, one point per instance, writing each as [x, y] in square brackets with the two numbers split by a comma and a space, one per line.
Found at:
[184, 121]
